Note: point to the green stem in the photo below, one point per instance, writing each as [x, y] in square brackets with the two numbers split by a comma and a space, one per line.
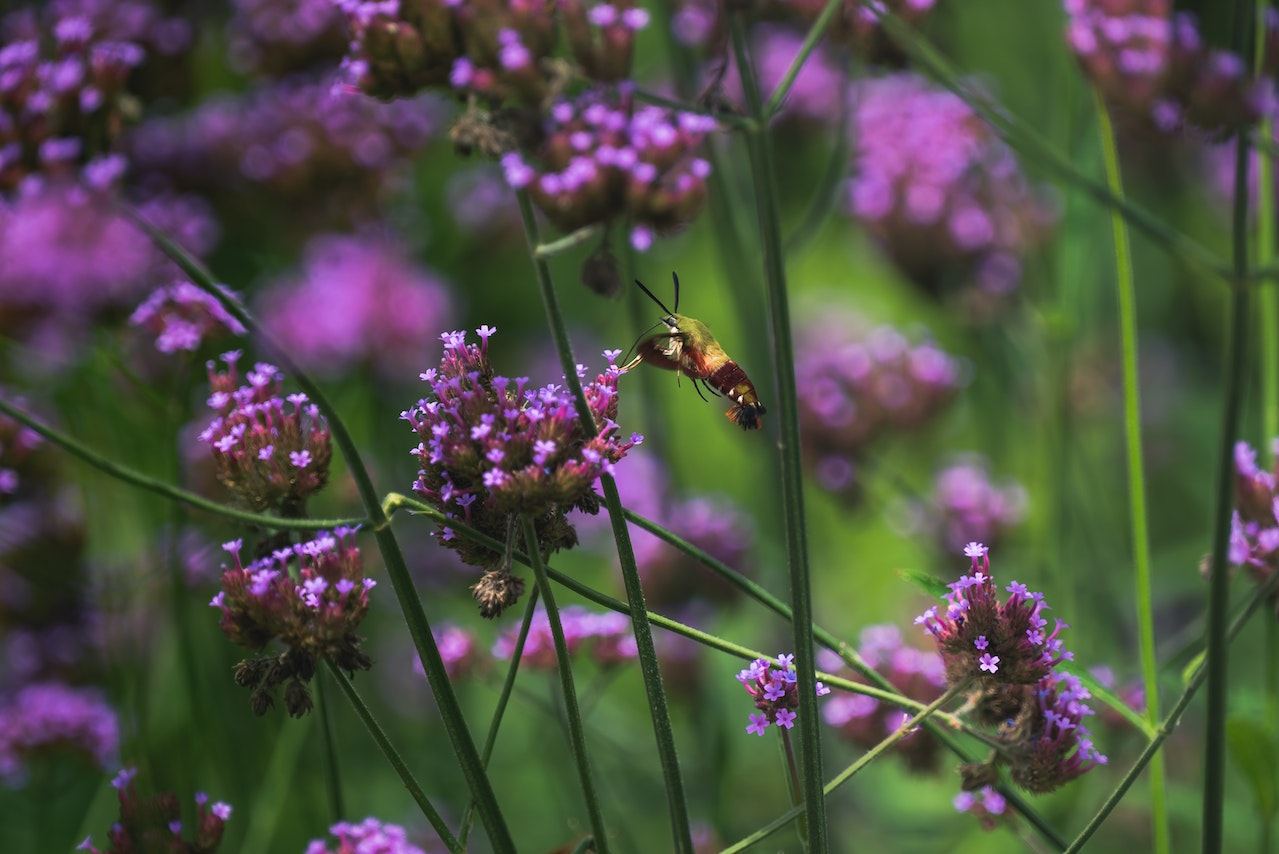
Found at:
[159, 487]
[396, 761]
[814, 35]
[504, 697]
[1126, 286]
[568, 241]
[789, 460]
[847, 774]
[332, 768]
[573, 714]
[392, 557]
[646, 653]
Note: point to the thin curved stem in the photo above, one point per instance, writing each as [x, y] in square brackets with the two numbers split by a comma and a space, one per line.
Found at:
[1126, 286]
[572, 712]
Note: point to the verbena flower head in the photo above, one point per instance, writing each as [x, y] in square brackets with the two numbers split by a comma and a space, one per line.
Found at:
[990, 641]
[370, 836]
[939, 191]
[775, 687]
[1254, 529]
[1154, 65]
[495, 448]
[357, 300]
[270, 451]
[1049, 745]
[605, 637]
[182, 315]
[154, 822]
[459, 650]
[917, 674]
[818, 91]
[50, 718]
[279, 36]
[967, 505]
[857, 384]
[601, 35]
[603, 159]
[311, 598]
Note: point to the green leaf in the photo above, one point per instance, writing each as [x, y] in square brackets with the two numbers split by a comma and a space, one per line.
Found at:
[1252, 746]
[930, 584]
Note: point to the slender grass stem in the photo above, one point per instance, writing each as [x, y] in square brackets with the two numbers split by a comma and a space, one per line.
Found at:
[791, 466]
[568, 241]
[455, 726]
[848, 773]
[1126, 285]
[572, 713]
[396, 761]
[645, 652]
[811, 38]
[332, 767]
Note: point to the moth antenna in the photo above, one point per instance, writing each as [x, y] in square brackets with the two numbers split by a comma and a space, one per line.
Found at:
[660, 305]
[676, 278]
[629, 352]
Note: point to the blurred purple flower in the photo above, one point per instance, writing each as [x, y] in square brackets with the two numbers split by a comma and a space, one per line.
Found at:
[984, 803]
[279, 36]
[368, 837]
[605, 636]
[182, 315]
[357, 300]
[1254, 529]
[144, 820]
[819, 90]
[51, 716]
[966, 505]
[940, 192]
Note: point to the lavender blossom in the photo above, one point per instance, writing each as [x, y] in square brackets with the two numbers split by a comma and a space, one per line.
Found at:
[917, 674]
[182, 315]
[606, 637]
[940, 192]
[493, 448]
[1050, 746]
[967, 505]
[774, 686]
[601, 35]
[985, 803]
[357, 300]
[602, 159]
[856, 385]
[818, 93]
[145, 821]
[269, 454]
[370, 836]
[313, 608]
[49, 717]
[1254, 528]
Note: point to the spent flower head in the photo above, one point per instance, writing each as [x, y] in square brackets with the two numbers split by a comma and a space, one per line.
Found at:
[775, 687]
[981, 638]
[494, 448]
[311, 598]
[269, 451]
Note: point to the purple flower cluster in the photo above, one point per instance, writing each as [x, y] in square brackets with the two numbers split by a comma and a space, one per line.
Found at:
[280, 36]
[915, 673]
[16, 444]
[940, 192]
[857, 385]
[155, 822]
[774, 686]
[267, 453]
[368, 837]
[356, 300]
[494, 448]
[311, 597]
[496, 49]
[1254, 528]
[51, 716]
[182, 315]
[982, 638]
[606, 636]
[602, 158]
[61, 106]
[1004, 649]
[322, 155]
[1153, 64]
[966, 505]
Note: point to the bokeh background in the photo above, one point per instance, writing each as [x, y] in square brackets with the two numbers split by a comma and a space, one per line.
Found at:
[952, 389]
